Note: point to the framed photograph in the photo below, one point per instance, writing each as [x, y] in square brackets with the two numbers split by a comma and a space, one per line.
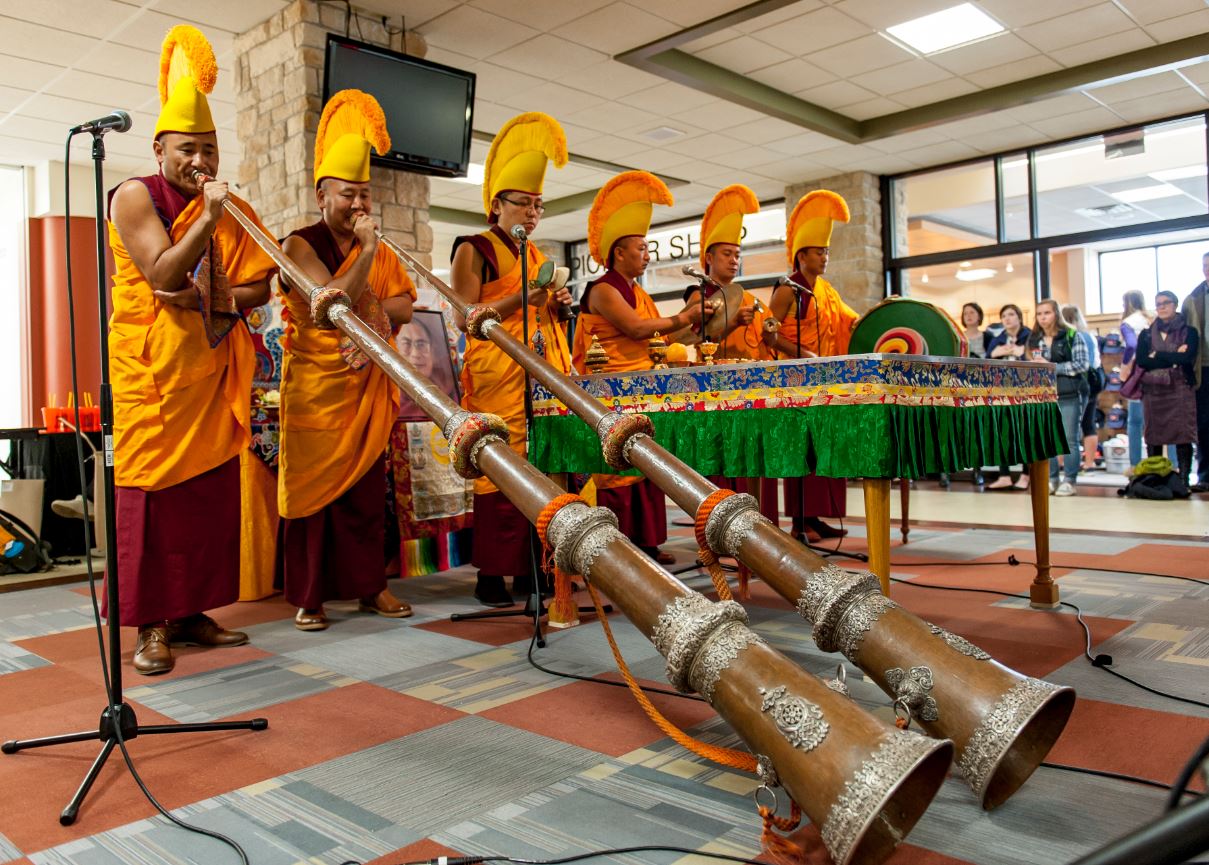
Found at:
[423, 344]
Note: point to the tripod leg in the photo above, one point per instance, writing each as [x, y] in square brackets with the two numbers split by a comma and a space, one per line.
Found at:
[215, 727]
[14, 745]
[68, 815]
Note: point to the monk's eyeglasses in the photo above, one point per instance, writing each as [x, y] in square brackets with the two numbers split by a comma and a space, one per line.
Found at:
[536, 206]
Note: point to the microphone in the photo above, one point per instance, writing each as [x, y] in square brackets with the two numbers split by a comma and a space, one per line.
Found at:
[519, 233]
[689, 270]
[118, 121]
[787, 279]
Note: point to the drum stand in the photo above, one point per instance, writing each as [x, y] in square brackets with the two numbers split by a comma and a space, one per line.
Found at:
[118, 723]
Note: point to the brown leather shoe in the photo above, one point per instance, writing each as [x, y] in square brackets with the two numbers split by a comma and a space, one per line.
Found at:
[385, 604]
[151, 652]
[310, 620]
[201, 630]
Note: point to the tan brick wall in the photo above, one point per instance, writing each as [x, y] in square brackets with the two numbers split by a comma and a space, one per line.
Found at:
[855, 266]
[279, 92]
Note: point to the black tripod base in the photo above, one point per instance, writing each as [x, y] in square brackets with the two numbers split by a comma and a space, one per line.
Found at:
[113, 726]
[526, 611]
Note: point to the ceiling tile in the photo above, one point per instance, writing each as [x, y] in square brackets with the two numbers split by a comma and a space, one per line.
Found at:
[1177, 28]
[960, 130]
[900, 76]
[1197, 73]
[1158, 106]
[996, 140]
[416, 12]
[792, 170]
[1067, 125]
[767, 129]
[793, 75]
[938, 154]
[688, 13]
[751, 156]
[543, 16]
[717, 37]
[612, 149]
[736, 115]
[1103, 19]
[835, 94]
[613, 117]
[474, 32]
[101, 90]
[26, 151]
[11, 97]
[489, 117]
[706, 146]
[148, 29]
[743, 54]
[879, 15]
[654, 159]
[1105, 46]
[552, 99]
[122, 61]
[777, 16]
[44, 44]
[611, 79]
[938, 92]
[236, 16]
[97, 18]
[1150, 11]
[670, 97]
[1145, 85]
[27, 74]
[616, 28]
[1018, 13]
[547, 56]
[801, 143]
[1034, 66]
[995, 51]
[907, 141]
[862, 55]
[813, 31]
[495, 83]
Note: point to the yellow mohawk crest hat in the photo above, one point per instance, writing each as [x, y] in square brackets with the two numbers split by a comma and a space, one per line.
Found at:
[723, 219]
[811, 222]
[623, 209]
[352, 121]
[519, 154]
[188, 72]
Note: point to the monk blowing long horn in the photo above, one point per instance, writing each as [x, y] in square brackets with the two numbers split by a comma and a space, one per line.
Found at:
[863, 783]
[1002, 722]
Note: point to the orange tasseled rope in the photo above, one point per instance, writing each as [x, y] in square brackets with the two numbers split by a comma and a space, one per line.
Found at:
[707, 556]
[563, 610]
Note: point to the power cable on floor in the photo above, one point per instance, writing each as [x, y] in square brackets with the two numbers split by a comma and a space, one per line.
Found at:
[579, 857]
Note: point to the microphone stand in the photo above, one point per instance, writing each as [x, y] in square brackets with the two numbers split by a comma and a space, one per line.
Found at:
[118, 723]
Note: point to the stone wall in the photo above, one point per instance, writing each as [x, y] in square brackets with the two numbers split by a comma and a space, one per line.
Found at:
[855, 266]
[279, 92]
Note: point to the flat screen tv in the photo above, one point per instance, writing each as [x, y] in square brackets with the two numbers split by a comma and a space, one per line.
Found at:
[429, 107]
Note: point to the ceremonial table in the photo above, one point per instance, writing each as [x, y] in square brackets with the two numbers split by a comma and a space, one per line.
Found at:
[873, 416]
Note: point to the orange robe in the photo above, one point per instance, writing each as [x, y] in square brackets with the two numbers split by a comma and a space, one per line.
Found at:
[746, 341]
[827, 323]
[335, 421]
[625, 354]
[181, 408]
[491, 381]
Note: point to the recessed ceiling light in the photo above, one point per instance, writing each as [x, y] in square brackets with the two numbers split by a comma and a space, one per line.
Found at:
[474, 174]
[976, 274]
[948, 28]
[1146, 193]
[966, 264]
[661, 133]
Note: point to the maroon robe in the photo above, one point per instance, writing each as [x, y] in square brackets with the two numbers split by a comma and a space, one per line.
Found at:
[641, 511]
[500, 542]
[178, 548]
[337, 552]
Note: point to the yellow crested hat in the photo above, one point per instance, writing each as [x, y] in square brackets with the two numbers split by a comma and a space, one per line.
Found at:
[811, 221]
[723, 219]
[188, 72]
[519, 154]
[351, 122]
[623, 209]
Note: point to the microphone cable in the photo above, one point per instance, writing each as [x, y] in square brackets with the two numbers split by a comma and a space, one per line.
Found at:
[578, 857]
[99, 478]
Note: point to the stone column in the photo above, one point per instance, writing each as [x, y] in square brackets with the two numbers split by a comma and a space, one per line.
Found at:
[279, 93]
[855, 266]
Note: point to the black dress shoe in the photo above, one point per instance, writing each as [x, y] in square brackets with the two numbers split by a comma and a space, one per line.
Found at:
[979, 479]
[944, 481]
[822, 529]
[490, 592]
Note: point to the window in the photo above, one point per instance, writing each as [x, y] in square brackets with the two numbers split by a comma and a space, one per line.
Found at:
[989, 282]
[13, 344]
[940, 211]
[1171, 267]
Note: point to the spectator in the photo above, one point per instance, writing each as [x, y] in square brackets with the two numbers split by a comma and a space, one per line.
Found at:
[1167, 351]
[1054, 340]
[971, 325]
[1095, 383]
[1134, 320]
[1009, 344]
[1196, 314]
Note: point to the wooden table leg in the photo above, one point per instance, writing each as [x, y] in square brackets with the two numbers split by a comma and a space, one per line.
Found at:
[904, 503]
[1043, 593]
[877, 528]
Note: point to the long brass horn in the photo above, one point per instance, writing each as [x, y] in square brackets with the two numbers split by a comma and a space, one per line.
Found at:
[1002, 722]
[862, 783]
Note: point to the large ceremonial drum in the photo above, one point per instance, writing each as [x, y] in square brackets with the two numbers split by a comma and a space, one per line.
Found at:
[902, 325]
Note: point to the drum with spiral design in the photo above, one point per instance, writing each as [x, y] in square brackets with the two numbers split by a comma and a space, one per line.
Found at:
[903, 325]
